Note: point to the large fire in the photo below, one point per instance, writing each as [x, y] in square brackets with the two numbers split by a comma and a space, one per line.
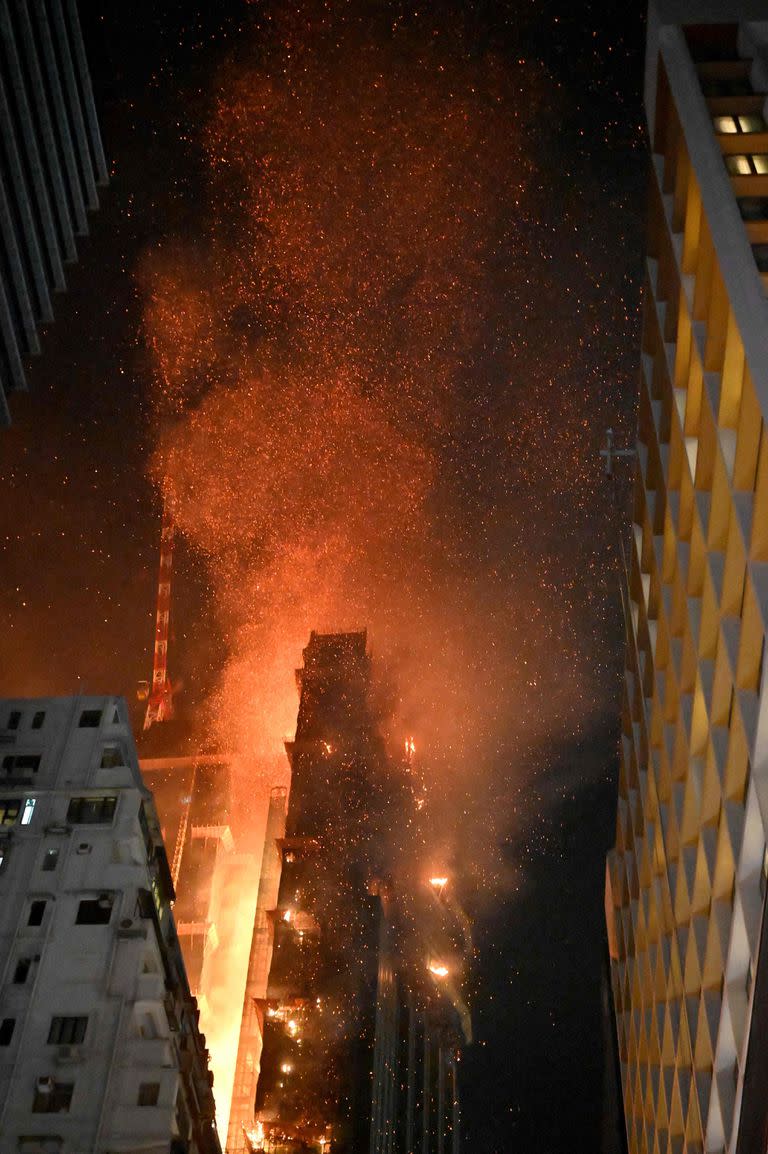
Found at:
[321, 349]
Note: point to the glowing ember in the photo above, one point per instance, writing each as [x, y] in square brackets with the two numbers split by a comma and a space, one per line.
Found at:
[438, 884]
[438, 969]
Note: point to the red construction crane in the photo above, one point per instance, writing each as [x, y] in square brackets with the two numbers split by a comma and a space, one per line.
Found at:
[159, 695]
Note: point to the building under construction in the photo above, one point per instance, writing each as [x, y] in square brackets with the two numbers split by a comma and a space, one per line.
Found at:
[356, 1037]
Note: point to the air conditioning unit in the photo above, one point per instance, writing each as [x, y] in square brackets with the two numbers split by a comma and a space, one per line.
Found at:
[45, 1085]
[67, 1054]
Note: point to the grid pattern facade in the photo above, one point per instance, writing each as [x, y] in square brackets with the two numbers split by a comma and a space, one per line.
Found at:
[686, 879]
[51, 161]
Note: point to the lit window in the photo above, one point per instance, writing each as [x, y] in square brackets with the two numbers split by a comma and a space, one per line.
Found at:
[67, 1031]
[751, 123]
[760, 162]
[28, 810]
[725, 124]
[738, 165]
[9, 811]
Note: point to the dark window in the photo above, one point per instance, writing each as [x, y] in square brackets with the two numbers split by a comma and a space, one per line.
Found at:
[91, 810]
[760, 253]
[6, 1031]
[149, 1092]
[112, 757]
[753, 208]
[90, 719]
[36, 911]
[94, 911]
[52, 1097]
[22, 761]
[67, 1031]
[9, 811]
[4, 844]
[50, 860]
[38, 719]
[14, 719]
[21, 973]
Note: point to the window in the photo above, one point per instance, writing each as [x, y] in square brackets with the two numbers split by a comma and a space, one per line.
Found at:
[36, 913]
[6, 1031]
[753, 207]
[67, 1031]
[149, 1093]
[50, 860]
[743, 164]
[760, 253]
[21, 973]
[52, 1097]
[22, 762]
[14, 719]
[38, 719]
[90, 719]
[112, 757]
[94, 911]
[91, 810]
[4, 845]
[10, 808]
[28, 810]
[728, 125]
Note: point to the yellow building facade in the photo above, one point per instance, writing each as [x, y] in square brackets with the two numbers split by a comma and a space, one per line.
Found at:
[686, 880]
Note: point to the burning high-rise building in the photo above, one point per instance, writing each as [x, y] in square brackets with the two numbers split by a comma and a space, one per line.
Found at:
[360, 1036]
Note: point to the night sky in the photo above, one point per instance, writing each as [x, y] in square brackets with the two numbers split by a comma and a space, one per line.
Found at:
[512, 470]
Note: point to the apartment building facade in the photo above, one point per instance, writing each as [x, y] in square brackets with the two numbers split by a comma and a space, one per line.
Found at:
[686, 881]
[100, 1049]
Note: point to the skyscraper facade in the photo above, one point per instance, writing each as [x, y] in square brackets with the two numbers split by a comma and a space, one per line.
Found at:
[686, 881]
[51, 165]
[99, 1042]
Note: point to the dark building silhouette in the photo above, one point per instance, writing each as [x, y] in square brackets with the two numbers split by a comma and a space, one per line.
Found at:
[51, 164]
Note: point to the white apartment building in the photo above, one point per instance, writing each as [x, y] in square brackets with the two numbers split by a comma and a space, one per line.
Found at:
[100, 1051]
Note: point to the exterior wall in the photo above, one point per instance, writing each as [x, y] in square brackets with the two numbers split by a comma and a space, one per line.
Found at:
[687, 876]
[54, 162]
[124, 975]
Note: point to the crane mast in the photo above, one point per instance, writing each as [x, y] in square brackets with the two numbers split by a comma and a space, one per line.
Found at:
[160, 700]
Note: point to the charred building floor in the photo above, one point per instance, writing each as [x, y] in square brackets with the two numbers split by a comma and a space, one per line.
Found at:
[360, 1023]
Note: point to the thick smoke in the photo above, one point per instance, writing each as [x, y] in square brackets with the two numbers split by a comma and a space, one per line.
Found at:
[322, 349]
